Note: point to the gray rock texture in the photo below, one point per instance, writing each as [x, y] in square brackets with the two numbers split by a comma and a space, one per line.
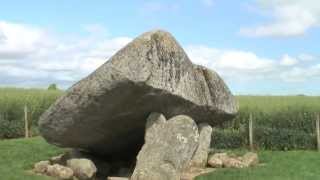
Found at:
[41, 167]
[105, 113]
[200, 157]
[83, 168]
[117, 178]
[59, 171]
[168, 152]
[219, 160]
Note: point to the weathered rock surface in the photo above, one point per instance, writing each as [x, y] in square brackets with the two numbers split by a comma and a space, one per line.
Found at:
[217, 160]
[57, 159]
[41, 167]
[220, 160]
[250, 159]
[168, 152]
[117, 178]
[82, 168]
[200, 157]
[105, 113]
[233, 163]
[59, 171]
[102, 165]
[194, 172]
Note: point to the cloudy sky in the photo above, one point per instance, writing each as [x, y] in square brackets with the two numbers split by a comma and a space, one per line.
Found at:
[257, 46]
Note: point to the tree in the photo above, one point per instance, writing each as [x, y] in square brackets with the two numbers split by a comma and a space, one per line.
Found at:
[52, 87]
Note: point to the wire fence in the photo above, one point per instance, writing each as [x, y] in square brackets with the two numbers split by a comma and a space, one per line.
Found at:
[255, 135]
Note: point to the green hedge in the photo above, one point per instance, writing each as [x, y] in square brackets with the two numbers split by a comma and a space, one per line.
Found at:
[11, 129]
[280, 122]
[283, 139]
[227, 139]
[264, 138]
[299, 118]
[12, 102]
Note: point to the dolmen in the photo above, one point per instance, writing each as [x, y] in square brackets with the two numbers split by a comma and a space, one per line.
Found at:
[148, 105]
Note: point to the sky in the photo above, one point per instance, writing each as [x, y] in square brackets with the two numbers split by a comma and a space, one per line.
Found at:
[259, 47]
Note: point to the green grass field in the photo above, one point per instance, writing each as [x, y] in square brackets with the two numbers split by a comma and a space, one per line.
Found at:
[18, 156]
[277, 165]
[270, 104]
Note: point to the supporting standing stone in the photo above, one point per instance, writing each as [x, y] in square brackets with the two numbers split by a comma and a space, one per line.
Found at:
[200, 158]
[168, 152]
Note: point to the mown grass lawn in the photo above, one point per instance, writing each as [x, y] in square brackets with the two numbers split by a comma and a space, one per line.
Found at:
[18, 156]
[277, 165]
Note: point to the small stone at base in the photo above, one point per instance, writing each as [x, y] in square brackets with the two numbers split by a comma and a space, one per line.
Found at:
[117, 178]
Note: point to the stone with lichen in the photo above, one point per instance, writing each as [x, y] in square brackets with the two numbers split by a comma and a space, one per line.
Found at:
[168, 152]
[105, 113]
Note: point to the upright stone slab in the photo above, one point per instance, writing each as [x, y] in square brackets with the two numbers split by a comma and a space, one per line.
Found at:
[105, 113]
[168, 152]
[200, 157]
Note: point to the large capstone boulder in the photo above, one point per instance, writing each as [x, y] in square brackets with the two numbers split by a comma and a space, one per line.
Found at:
[169, 146]
[105, 113]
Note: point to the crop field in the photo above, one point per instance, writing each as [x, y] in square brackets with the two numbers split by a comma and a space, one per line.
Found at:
[12, 102]
[280, 122]
[278, 111]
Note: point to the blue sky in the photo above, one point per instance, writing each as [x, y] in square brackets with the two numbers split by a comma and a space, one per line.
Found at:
[257, 46]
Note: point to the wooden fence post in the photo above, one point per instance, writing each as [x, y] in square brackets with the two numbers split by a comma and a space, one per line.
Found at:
[251, 133]
[26, 124]
[318, 130]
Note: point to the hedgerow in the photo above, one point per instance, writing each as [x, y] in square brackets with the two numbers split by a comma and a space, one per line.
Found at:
[279, 122]
[12, 102]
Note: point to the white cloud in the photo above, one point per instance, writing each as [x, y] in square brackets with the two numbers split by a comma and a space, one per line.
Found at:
[232, 64]
[203, 55]
[286, 60]
[294, 75]
[241, 60]
[298, 74]
[290, 18]
[32, 54]
[18, 40]
[236, 65]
